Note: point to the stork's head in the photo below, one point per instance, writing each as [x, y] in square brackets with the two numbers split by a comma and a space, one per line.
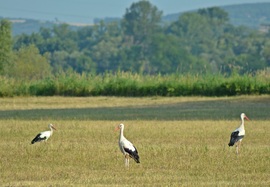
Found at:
[120, 126]
[243, 116]
[51, 126]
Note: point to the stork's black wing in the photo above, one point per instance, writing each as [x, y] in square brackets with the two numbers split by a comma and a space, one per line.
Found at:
[234, 138]
[38, 139]
[133, 154]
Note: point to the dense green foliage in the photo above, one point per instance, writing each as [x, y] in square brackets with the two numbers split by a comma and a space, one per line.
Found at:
[5, 44]
[197, 42]
[198, 54]
[127, 84]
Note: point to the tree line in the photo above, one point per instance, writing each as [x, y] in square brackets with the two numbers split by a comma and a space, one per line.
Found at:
[201, 42]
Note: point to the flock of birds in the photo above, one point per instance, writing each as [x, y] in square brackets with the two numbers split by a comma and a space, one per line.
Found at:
[130, 151]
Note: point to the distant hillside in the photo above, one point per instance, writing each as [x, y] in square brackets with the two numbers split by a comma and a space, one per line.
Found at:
[250, 15]
[29, 26]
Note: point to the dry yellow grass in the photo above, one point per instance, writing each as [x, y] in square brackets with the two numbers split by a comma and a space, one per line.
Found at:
[84, 152]
[23, 103]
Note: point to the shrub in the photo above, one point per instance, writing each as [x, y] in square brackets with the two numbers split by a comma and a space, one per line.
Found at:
[137, 85]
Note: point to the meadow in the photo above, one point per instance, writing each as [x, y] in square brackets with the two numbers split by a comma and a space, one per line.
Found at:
[182, 141]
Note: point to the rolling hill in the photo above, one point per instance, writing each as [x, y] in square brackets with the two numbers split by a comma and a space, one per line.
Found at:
[249, 15]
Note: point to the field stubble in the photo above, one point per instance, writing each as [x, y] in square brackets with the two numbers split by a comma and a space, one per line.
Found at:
[84, 152]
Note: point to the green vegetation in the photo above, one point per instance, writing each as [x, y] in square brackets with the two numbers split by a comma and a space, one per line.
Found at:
[199, 42]
[5, 45]
[200, 54]
[181, 141]
[128, 84]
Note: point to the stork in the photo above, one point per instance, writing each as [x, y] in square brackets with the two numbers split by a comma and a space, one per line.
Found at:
[44, 136]
[126, 147]
[238, 134]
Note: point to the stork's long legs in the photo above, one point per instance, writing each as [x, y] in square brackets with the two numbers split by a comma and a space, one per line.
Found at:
[238, 144]
[127, 160]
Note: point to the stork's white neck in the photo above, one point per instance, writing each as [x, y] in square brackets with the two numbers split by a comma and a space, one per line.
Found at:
[121, 133]
[242, 123]
[51, 129]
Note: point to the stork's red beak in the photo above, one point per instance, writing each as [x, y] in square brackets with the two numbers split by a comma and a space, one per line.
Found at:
[53, 127]
[116, 128]
[246, 118]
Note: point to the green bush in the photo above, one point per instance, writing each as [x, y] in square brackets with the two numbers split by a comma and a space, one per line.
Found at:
[6, 87]
[44, 87]
[137, 85]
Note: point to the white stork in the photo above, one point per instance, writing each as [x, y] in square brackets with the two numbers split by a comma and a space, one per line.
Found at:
[126, 147]
[238, 134]
[44, 136]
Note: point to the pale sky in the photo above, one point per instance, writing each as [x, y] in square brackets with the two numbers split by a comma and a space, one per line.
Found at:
[84, 11]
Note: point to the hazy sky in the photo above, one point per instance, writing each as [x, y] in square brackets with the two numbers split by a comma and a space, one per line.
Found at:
[84, 11]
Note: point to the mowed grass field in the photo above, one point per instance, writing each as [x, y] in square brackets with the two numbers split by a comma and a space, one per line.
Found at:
[182, 141]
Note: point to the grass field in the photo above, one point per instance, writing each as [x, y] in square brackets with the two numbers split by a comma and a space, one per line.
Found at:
[182, 141]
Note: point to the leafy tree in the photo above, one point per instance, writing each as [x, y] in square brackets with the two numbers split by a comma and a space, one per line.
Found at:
[45, 33]
[85, 35]
[91, 36]
[26, 40]
[215, 14]
[81, 63]
[104, 52]
[106, 41]
[266, 52]
[76, 61]
[63, 32]
[5, 44]
[58, 61]
[58, 38]
[198, 39]
[193, 30]
[128, 59]
[140, 22]
[169, 56]
[198, 42]
[28, 64]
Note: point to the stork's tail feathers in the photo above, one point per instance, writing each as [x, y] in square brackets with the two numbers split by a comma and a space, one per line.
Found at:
[136, 158]
[133, 154]
[37, 139]
[234, 138]
[231, 143]
[33, 141]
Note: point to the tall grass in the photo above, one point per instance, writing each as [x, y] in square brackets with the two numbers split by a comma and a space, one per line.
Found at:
[128, 84]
